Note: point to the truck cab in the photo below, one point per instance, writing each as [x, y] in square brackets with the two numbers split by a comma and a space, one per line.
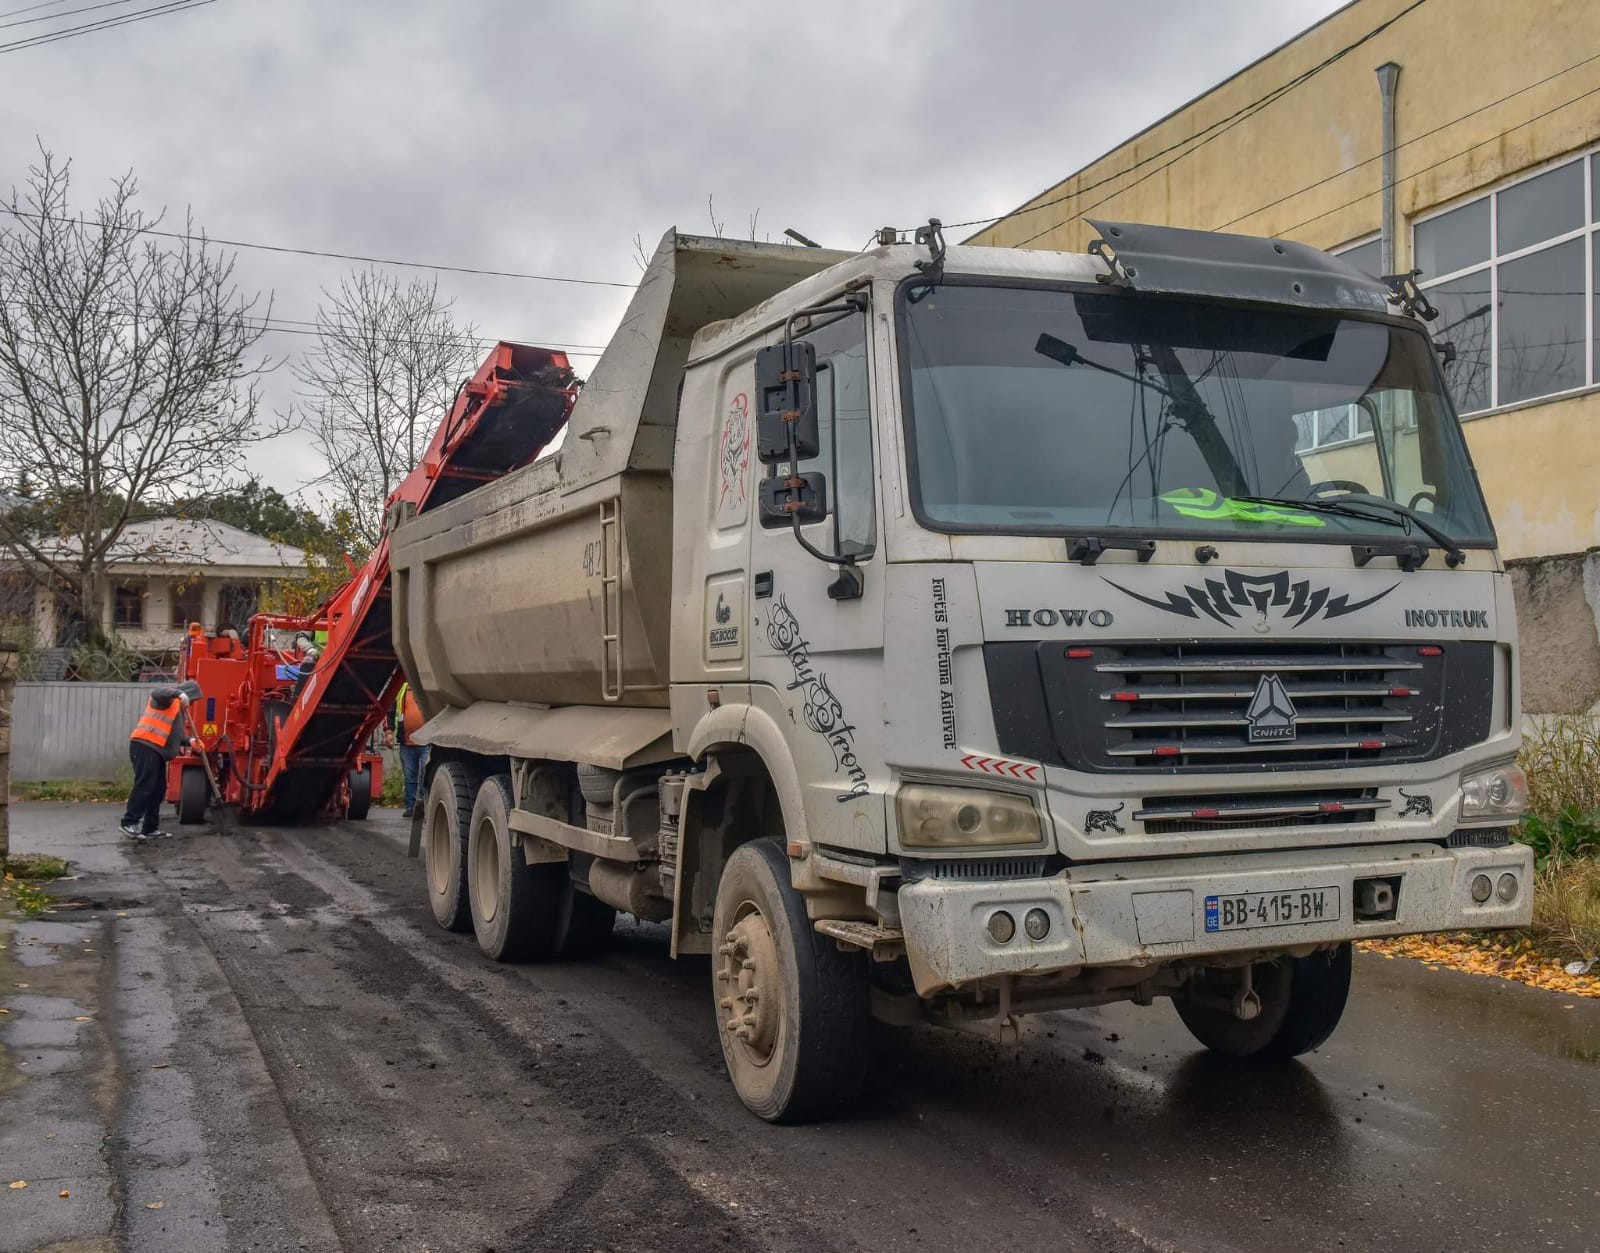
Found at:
[1043, 631]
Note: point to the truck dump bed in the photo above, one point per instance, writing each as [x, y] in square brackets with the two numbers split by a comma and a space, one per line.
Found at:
[551, 586]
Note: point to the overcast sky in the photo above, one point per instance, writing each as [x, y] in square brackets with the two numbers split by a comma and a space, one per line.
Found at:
[543, 138]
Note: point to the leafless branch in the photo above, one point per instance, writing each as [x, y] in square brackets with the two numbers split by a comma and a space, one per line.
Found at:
[128, 374]
[385, 367]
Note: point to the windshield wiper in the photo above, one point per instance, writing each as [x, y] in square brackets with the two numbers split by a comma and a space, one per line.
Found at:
[1398, 515]
[1187, 407]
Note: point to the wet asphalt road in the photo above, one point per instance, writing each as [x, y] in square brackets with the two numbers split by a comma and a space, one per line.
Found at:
[286, 1053]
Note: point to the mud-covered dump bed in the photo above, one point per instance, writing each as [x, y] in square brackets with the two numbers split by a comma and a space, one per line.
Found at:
[551, 586]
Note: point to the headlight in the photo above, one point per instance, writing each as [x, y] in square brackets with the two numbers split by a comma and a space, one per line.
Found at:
[1498, 793]
[958, 817]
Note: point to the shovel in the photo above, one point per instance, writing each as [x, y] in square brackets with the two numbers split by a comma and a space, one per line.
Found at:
[221, 810]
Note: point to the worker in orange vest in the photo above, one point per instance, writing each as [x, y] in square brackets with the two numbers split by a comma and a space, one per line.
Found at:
[404, 722]
[156, 739]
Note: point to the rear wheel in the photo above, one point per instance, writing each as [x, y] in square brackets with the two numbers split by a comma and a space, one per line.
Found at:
[360, 793]
[194, 790]
[1301, 999]
[516, 908]
[444, 844]
[792, 1010]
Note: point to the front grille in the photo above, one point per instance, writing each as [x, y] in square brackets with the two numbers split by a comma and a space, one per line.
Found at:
[986, 869]
[1197, 707]
[1185, 815]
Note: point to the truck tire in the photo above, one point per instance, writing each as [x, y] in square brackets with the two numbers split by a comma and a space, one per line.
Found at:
[194, 790]
[444, 844]
[586, 924]
[597, 784]
[1302, 999]
[360, 793]
[516, 908]
[792, 1010]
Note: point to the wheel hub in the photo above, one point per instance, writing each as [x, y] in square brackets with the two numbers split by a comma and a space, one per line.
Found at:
[439, 850]
[748, 986]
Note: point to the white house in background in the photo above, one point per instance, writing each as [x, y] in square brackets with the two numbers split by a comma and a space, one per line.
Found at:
[164, 574]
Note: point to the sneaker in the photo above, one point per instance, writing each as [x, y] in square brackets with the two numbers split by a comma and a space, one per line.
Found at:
[157, 834]
[131, 830]
[409, 811]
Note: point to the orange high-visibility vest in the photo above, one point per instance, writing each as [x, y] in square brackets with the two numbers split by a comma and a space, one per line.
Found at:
[155, 724]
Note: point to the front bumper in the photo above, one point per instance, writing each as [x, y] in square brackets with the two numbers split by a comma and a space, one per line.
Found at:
[1147, 913]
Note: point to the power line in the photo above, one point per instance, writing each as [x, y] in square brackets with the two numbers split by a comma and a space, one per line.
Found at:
[1349, 169]
[337, 256]
[52, 17]
[1199, 140]
[1446, 160]
[270, 323]
[71, 32]
[48, 4]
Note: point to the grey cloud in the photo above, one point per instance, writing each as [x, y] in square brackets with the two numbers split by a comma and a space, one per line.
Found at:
[540, 137]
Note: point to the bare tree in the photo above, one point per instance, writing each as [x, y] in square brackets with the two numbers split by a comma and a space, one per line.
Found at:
[127, 377]
[386, 365]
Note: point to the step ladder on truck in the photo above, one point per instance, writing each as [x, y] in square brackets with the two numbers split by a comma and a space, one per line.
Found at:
[290, 741]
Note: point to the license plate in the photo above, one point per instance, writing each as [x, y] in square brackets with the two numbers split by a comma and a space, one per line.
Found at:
[1271, 909]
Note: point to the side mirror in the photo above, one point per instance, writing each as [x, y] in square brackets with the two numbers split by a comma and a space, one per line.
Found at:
[786, 390]
[787, 496]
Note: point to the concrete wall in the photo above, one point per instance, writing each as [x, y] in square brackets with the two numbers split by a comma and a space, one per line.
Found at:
[1540, 464]
[73, 730]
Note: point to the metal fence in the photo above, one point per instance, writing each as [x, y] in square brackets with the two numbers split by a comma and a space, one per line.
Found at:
[73, 730]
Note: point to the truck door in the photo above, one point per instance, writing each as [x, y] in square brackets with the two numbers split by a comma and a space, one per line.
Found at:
[817, 659]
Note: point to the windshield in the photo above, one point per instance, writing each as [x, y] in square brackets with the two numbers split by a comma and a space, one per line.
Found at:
[1080, 411]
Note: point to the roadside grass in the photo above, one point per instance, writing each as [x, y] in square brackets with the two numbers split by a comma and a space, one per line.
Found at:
[1562, 758]
[72, 790]
[394, 787]
[23, 875]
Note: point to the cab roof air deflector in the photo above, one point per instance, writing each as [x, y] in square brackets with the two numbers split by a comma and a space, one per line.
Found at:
[1170, 260]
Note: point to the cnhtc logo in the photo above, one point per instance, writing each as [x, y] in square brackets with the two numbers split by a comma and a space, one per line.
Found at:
[1271, 713]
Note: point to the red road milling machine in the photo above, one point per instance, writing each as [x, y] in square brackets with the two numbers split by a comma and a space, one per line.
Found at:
[286, 731]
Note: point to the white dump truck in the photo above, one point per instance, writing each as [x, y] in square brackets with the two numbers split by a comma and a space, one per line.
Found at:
[944, 634]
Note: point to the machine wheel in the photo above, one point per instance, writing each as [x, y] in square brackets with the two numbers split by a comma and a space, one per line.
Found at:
[360, 793]
[586, 924]
[194, 791]
[516, 908]
[1302, 999]
[792, 1010]
[444, 844]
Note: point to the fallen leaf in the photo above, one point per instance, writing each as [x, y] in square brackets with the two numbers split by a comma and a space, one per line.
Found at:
[63, 1193]
[160, 1065]
[83, 1018]
[155, 1205]
[4, 1011]
[17, 1183]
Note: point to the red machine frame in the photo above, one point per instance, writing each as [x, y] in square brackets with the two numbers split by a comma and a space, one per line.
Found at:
[290, 746]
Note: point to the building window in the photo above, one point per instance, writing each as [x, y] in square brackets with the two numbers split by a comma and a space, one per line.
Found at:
[236, 605]
[1319, 428]
[128, 606]
[188, 604]
[1514, 276]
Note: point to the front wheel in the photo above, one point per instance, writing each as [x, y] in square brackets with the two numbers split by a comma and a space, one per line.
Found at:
[194, 790]
[792, 1010]
[1301, 1002]
[360, 793]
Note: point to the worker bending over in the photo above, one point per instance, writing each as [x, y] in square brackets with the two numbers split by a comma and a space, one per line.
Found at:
[156, 739]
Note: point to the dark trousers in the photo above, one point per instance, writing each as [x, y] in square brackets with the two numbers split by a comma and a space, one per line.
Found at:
[413, 761]
[149, 786]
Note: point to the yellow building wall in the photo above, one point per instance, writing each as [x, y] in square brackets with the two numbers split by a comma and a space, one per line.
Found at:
[1253, 173]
